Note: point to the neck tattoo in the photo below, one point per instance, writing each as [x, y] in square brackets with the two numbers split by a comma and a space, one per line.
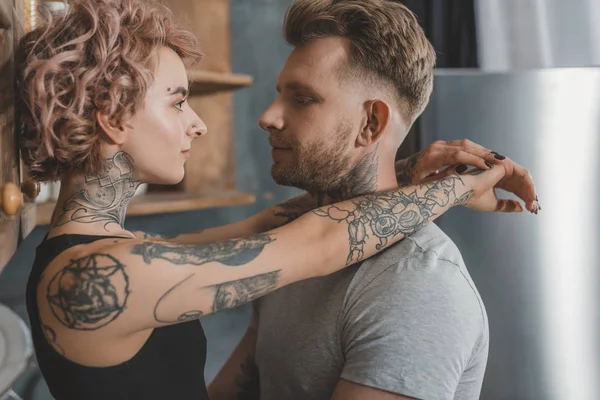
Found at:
[104, 197]
[361, 180]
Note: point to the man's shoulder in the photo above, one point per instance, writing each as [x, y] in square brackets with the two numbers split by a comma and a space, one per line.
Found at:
[426, 265]
[426, 249]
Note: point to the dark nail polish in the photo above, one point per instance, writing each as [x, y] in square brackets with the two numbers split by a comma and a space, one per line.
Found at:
[536, 198]
[499, 156]
[461, 168]
[488, 164]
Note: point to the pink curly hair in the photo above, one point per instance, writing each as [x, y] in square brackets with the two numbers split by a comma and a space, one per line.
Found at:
[96, 57]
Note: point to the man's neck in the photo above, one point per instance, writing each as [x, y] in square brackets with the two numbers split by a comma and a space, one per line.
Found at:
[99, 201]
[368, 176]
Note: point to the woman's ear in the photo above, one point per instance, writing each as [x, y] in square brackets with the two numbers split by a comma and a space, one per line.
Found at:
[378, 119]
[116, 133]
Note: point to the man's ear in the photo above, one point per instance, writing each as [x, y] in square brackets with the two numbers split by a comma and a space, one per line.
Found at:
[116, 133]
[379, 114]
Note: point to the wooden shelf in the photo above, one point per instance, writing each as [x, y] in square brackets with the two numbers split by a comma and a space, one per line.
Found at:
[168, 202]
[207, 82]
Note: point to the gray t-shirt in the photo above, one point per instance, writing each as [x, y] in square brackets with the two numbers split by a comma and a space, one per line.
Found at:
[409, 321]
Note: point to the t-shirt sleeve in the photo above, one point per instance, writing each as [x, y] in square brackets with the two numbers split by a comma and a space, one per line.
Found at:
[412, 330]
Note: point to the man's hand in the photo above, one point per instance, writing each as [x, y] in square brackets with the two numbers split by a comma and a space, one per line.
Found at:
[441, 159]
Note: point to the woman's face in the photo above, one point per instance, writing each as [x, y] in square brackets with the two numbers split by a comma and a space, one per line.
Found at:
[160, 134]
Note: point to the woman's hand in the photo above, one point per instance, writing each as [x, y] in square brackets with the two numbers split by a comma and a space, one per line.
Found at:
[442, 159]
[484, 198]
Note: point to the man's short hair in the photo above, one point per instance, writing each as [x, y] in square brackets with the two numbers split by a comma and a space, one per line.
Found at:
[387, 45]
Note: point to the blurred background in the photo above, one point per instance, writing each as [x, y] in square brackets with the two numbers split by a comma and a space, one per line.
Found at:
[519, 76]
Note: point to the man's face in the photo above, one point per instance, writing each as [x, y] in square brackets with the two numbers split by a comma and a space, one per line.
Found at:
[314, 122]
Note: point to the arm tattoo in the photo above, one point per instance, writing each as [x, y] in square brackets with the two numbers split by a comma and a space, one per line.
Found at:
[148, 235]
[294, 208]
[464, 199]
[235, 293]
[103, 198]
[51, 338]
[248, 381]
[89, 292]
[388, 214]
[186, 316]
[405, 169]
[225, 295]
[234, 252]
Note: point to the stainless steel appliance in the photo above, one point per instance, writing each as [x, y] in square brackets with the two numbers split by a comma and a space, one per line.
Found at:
[539, 276]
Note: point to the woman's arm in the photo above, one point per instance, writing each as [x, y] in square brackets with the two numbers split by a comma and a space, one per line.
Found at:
[270, 218]
[435, 162]
[147, 284]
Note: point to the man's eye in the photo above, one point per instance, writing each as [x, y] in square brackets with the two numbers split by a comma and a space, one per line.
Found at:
[303, 101]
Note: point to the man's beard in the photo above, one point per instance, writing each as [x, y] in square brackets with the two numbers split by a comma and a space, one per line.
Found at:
[317, 167]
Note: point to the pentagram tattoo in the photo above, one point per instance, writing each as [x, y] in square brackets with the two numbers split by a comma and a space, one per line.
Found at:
[89, 293]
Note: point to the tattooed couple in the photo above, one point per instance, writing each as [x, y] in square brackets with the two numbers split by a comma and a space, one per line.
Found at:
[115, 315]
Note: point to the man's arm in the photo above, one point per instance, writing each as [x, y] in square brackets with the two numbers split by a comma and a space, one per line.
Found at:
[346, 390]
[413, 330]
[238, 379]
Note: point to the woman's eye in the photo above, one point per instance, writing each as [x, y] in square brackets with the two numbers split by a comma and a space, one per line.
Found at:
[179, 105]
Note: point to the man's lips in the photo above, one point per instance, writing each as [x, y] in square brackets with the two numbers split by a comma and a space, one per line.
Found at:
[279, 146]
[278, 152]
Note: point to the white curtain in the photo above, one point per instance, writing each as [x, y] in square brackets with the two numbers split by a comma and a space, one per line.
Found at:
[525, 34]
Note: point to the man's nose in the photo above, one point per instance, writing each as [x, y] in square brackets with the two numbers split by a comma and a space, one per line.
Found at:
[272, 119]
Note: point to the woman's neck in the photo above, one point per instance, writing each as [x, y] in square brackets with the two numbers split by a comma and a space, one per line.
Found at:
[97, 203]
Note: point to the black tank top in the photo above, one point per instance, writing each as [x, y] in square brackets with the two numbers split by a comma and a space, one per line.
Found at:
[170, 365]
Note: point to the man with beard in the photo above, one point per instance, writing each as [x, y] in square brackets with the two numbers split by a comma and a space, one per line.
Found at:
[409, 322]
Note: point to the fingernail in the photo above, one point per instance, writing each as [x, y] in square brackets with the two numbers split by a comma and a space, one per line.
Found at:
[461, 168]
[498, 156]
[488, 164]
[536, 198]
